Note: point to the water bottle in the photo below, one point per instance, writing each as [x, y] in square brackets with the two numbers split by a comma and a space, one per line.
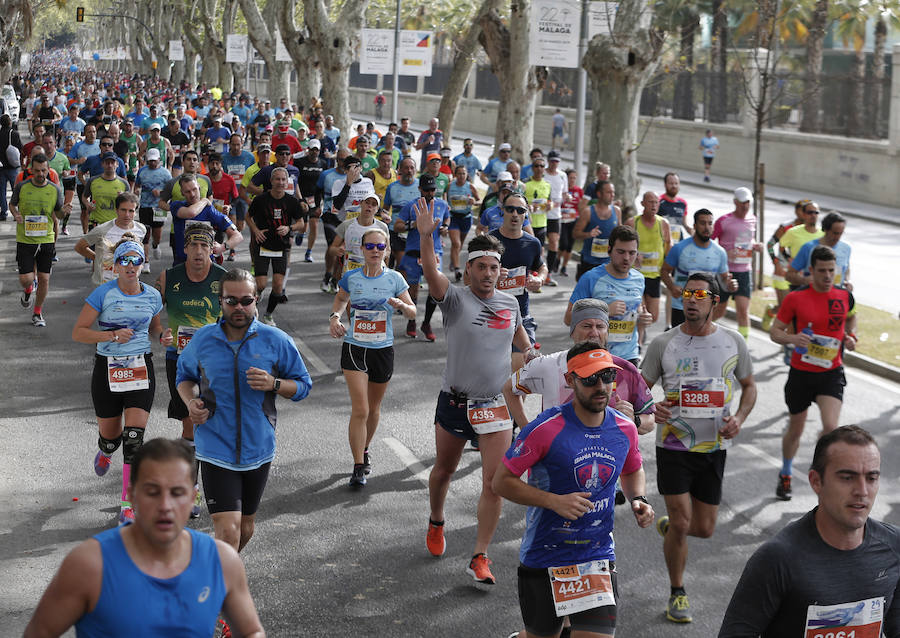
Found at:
[808, 331]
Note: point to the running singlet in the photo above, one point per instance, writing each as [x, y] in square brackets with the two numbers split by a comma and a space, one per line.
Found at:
[351, 231]
[36, 206]
[650, 246]
[458, 196]
[119, 310]
[827, 312]
[699, 375]
[190, 304]
[737, 235]
[565, 456]
[132, 143]
[545, 375]
[600, 284]
[686, 257]
[595, 250]
[381, 183]
[370, 314]
[187, 605]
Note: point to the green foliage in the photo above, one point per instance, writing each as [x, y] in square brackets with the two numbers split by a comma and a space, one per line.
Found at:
[450, 19]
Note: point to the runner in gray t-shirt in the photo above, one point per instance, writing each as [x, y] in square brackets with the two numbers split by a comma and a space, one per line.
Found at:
[481, 324]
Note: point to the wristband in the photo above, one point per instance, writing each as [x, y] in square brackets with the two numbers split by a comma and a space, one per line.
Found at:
[637, 421]
[642, 499]
[334, 315]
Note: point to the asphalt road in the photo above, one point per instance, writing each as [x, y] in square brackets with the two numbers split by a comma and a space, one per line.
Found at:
[329, 561]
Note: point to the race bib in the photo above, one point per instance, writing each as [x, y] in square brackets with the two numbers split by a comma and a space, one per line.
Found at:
[821, 351]
[159, 215]
[352, 265]
[36, 225]
[580, 587]
[352, 214]
[289, 189]
[861, 619]
[650, 263]
[743, 252]
[219, 205]
[599, 248]
[489, 415]
[539, 204]
[622, 330]
[272, 254]
[370, 326]
[569, 214]
[459, 204]
[702, 398]
[676, 234]
[183, 336]
[236, 172]
[127, 374]
[514, 283]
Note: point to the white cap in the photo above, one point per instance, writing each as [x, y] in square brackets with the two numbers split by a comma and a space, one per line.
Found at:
[504, 176]
[152, 154]
[372, 195]
[743, 194]
[156, 126]
[314, 143]
[504, 147]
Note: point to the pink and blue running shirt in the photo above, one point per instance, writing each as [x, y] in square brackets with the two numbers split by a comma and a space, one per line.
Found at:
[565, 456]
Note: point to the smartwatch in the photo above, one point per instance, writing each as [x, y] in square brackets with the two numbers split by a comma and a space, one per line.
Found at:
[277, 385]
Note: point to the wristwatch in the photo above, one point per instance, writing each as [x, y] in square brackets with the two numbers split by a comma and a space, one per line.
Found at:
[333, 315]
[642, 499]
[276, 386]
[637, 421]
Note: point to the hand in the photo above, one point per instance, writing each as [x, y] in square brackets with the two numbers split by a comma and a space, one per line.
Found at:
[166, 338]
[197, 411]
[533, 284]
[18, 217]
[572, 506]
[801, 339]
[850, 342]
[595, 232]
[259, 235]
[156, 192]
[283, 230]
[226, 208]
[663, 413]
[67, 208]
[624, 407]
[122, 335]
[732, 285]
[425, 221]
[336, 328]
[431, 139]
[779, 268]
[617, 308]
[644, 318]
[643, 513]
[396, 303]
[444, 231]
[757, 247]
[731, 425]
[353, 173]
[259, 379]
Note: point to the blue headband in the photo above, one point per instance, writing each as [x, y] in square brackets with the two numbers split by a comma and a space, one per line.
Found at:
[127, 247]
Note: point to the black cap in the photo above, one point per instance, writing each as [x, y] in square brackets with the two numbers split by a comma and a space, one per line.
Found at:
[108, 155]
[427, 182]
[350, 160]
[553, 155]
[282, 147]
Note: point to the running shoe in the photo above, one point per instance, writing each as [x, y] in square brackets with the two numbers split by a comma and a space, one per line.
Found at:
[550, 281]
[55, 258]
[101, 463]
[298, 239]
[411, 329]
[198, 504]
[230, 256]
[474, 443]
[426, 328]
[38, 321]
[479, 569]
[562, 272]
[367, 463]
[267, 319]
[64, 230]
[324, 286]
[157, 252]
[768, 315]
[678, 609]
[662, 525]
[145, 267]
[457, 275]
[4, 217]
[27, 299]
[434, 539]
[783, 490]
[706, 178]
[126, 515]
[332, 287]
[358, 477]
[222, 630]
[308, 257]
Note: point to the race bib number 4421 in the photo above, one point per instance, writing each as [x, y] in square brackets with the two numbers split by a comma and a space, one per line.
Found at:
[582, 586]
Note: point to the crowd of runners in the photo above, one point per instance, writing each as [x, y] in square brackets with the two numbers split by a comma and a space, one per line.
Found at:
[234, 178]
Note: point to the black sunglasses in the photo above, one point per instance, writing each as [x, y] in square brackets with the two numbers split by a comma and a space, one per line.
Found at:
[516, 209]
[607, 375]
[243, 301]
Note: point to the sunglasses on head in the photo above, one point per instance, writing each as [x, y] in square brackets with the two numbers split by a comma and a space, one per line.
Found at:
[607, 376]
[697, 294]
[243, 301]
[515, 209]
[372, 246]
[134, 260]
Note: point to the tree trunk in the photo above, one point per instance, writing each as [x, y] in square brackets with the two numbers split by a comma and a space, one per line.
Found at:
[684, 85]
[263, 40]
[463, 59]
[507, 49]
[811, 122]
[855, 126]
[334, 43]
[303, 55]
[618, 67]
[718, 93]
[192, 44]
[877, 95]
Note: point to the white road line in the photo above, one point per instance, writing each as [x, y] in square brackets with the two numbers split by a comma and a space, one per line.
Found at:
[311, 357]
[409, 459]
[771, 460]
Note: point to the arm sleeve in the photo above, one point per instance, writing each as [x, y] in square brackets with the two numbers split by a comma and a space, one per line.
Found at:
[757, 597]
[633, 460]
[295, 369]
[14, 200]
[59, 197]
[95, 299]
[337, 201]
[717, 229]
[188, 368]
[582, 289]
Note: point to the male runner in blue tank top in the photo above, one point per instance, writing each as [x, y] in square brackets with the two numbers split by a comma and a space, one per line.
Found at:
[152, 577]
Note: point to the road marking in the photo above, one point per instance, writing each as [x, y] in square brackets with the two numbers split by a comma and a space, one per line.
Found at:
[409, 459]
[311, 357]
[771, 460]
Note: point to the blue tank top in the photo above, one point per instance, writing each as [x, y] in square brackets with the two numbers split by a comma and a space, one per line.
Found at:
[458, 196]
[133, 603]
[596, 250]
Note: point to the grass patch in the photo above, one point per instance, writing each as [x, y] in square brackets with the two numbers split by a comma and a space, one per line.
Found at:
[878, 331]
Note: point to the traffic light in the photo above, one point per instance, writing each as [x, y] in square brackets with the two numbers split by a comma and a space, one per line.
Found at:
[79, 14]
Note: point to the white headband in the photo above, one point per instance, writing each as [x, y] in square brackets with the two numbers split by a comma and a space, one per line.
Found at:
[483, 253]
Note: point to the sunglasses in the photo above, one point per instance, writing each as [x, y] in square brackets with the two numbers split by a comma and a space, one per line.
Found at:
[697, 294]
[134, 260]
[607, 376]
[106, 144]
[283, 153]
[515, 209]
[243, 301]
[811, 212]
[372, 246]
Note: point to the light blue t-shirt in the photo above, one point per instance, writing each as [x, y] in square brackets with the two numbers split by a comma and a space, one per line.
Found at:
[118, 310]
[370, 314]
[399, 195]
[598, 283]
[686, 257]
[494, 166]
[472, 164]
[326, 181]
[149, 180]
[841, 250]
[83, 149]
[709, 145]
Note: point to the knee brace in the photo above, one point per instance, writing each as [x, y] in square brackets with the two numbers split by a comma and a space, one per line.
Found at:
[108, 446]
[132, 439]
